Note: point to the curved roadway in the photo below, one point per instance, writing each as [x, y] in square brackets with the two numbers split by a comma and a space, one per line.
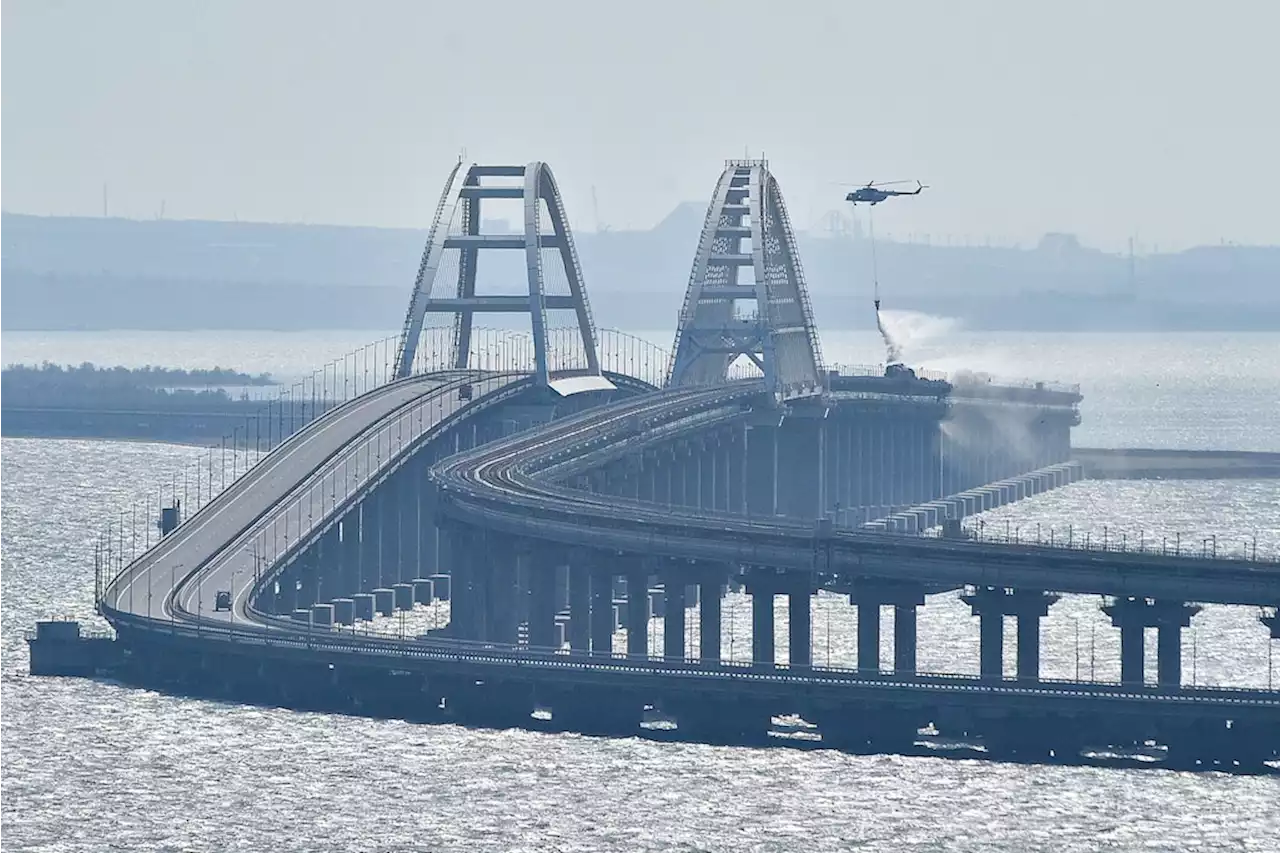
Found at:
[296, 488]
[307, 483]
[511, 486]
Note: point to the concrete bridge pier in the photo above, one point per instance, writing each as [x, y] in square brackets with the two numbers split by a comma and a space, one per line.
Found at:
[869, 594]
[646, 476]
[502, 617]
[350, 554]
[308, 578]
[761, 464]
[542, 598]
[370, 542]
[638, 611]
[799, 591]
[708, 473]
[412, 482]
[673, 622]
[762, 585]
[693, 473]
[579, 602]
[709, 613]
[287, 591]
[602, 611]
[458, 549]
[801, 466]
[991, 605]
[390, 497]
[735, 470]
[428, 533]
[328, 564]
[1133, 616]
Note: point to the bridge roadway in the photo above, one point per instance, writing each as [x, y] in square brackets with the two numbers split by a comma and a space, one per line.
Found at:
[506, 486]
[297, 487]
[311, 479]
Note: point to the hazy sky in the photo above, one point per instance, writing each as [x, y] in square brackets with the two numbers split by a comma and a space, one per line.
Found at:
[1103, 118]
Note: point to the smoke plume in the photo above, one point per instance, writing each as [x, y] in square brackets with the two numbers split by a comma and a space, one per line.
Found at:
[893, 351]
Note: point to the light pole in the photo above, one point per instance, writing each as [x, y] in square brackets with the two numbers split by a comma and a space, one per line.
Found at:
[1076, 622]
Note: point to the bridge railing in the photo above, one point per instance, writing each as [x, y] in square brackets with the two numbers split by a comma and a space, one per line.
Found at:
[367, 639]
[137, 527]
[1177, 544]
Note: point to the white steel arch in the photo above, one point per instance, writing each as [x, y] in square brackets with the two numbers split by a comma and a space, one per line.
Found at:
[778, 333]
[459, 208]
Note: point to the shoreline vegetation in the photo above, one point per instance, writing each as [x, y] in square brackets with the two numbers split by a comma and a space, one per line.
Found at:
[88, 384]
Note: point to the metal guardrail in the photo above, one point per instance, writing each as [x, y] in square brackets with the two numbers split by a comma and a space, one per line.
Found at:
[334, 639]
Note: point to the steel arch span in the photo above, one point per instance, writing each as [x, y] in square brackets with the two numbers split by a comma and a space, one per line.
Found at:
[747, 253]
[447, 282]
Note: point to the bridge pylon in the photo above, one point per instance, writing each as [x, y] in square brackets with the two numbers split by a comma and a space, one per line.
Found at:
[447, 281]
[747, 254]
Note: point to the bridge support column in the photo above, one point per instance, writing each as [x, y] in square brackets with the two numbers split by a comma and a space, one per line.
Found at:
[646, 478]
[1132, 616]
[991, 605]
[869, 594]
[392, 494]
[638, 613]
[709, 616]
[370, 542]
[502, 622]
[428, 533]
[542, 600]
[350, 557]
[579, 603]
[667, 481]
[412, 483]
[761, 483]
[801, 471]
[459, 549]
[329, 565]
[869, 637]
[693, 476]
[762, 585]
[800, 623]
[308, 578]
[708, 456]
[602, 612]
[904, 639]
[673, 623]
[287, 597]
[735, 469]
[991, 645]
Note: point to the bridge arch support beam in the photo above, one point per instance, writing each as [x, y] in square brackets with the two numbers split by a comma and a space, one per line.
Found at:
[747, 254]
[446, 282]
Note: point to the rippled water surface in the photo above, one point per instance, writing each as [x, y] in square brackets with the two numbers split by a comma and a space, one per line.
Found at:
[91, 765]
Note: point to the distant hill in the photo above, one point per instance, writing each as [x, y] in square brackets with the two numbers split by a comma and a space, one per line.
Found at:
[88, 273]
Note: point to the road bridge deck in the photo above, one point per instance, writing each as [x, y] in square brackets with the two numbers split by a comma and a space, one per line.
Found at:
[498, 487]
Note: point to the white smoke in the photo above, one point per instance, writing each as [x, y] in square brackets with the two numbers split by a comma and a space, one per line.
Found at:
[893, 352]
[912, 333]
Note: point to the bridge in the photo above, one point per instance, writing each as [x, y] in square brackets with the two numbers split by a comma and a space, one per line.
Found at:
[580, 500]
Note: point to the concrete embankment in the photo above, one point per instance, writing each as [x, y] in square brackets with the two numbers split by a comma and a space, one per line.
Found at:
[1140, 463]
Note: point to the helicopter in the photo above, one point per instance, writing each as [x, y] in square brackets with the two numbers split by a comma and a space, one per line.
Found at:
[873, 194]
